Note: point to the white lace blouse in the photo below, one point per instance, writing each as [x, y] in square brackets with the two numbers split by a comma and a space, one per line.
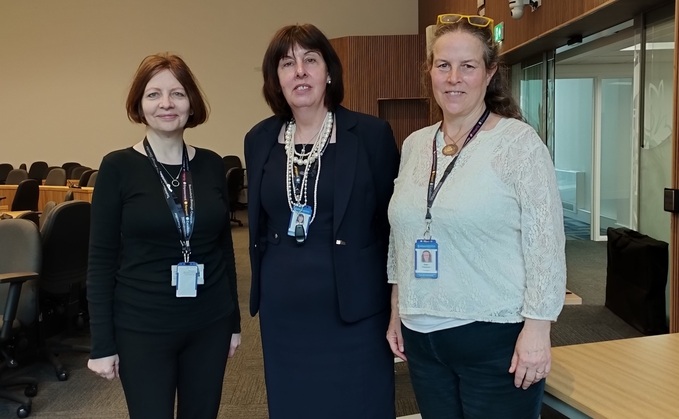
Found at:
[498, 223]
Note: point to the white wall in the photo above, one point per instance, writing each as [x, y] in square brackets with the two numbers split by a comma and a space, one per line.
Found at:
[66, 65]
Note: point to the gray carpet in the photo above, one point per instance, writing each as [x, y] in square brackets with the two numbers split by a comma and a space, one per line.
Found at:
[85, 396]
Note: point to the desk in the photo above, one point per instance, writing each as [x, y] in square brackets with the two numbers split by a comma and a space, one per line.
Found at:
[47, 193]
[620, 379]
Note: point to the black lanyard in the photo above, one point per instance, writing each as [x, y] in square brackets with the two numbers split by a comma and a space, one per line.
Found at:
[183, 211]
[433, 189]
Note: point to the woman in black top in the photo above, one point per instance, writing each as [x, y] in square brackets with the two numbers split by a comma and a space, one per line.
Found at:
[161, 283]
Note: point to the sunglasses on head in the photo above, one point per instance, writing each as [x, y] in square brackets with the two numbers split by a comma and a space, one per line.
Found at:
[474, 20]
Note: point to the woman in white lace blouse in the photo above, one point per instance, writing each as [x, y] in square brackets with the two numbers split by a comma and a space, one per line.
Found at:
[476, 191]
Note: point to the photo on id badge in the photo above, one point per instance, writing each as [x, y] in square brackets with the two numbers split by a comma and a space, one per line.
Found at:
[426, 259]
[299, 218]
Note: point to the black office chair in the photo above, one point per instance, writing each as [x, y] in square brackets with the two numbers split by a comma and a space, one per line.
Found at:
[26, 197]
[85, 177]
[56, 177]
[5, 168]
[68, 167]
[69, 196]
[232, 161]
[38, 170]
[15, 176]
[78, 171]
[22, 166]
[63, 309]
[19, 269]
[235, 179]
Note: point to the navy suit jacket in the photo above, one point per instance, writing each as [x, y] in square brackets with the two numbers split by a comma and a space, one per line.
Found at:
[365, 168]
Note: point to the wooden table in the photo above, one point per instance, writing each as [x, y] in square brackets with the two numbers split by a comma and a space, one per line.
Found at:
[620, 379]
[47, 193]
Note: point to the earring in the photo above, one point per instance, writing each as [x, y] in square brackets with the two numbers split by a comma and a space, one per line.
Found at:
[191, 112]
[329, 80]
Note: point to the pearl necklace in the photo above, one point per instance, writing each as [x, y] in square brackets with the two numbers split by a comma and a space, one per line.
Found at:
[298, 198]
[318, 147]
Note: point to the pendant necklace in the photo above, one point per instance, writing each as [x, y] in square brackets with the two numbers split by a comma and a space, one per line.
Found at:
[452, 149]
[174, 179]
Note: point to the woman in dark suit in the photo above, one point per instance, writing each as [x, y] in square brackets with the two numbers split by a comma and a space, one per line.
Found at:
[320, 286]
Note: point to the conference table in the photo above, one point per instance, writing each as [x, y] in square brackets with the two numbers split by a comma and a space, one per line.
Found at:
[47, 193]
[620, 379]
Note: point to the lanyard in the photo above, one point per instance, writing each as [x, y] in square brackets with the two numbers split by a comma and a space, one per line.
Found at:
[434, 188]
[183, 211]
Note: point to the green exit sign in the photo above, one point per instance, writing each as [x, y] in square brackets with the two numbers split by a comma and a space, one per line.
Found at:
[499, 32]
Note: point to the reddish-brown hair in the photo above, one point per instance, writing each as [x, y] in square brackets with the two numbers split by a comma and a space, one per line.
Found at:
[152, 65]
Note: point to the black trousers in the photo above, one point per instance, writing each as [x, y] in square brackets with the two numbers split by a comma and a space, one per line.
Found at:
[156, 366]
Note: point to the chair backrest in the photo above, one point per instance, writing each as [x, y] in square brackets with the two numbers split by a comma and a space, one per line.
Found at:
[231, 161]
[69, 166]
[5, 168]
[26, 197]
[23, 166]
[85, 177]
[69, 196]
[33, 216]
[76, 172]
[56, 177]
[235, 179]
[38, 170]
[21, 252]
[15, 176]
[93, 179]
[65, 242]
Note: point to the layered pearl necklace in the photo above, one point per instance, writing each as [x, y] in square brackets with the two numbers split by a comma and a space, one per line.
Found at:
[297, 197]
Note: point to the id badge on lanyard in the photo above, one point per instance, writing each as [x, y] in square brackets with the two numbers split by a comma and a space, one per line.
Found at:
[426, 259]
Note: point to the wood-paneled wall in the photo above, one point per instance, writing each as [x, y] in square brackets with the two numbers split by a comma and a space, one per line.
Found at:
[548, 27]
[383, 77]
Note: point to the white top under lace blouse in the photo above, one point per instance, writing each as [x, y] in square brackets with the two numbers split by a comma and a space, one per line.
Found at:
[498, 223]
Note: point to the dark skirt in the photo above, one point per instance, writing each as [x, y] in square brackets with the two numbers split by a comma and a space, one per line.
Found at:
[316, 365]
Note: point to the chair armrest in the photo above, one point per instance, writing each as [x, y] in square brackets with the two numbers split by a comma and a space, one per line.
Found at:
[18, 277]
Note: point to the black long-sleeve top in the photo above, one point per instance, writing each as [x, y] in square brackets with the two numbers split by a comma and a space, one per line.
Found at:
[134, 242]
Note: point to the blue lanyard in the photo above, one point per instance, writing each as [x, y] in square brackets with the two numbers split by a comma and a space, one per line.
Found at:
[183, 210]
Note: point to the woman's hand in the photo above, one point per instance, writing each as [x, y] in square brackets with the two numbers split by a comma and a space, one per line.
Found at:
[106, 367]
[532, 359]
[394, 336]
[235, 343]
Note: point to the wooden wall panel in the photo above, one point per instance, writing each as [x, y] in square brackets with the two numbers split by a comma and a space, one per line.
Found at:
[387, 70]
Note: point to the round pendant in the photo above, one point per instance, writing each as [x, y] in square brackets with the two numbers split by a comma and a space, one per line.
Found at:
[449, 150]
[175, 183]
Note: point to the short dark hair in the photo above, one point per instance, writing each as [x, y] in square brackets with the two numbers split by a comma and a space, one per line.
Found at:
[310, 37]
[152, 65]
[498, 95]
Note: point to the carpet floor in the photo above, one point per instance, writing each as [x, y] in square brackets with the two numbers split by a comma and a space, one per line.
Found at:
[85, 396]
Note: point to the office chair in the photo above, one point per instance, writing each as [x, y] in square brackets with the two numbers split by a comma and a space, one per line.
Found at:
[19, 267]
[69, 196]
[68, 167]
[56, 177]
[5, 168]
[33, 216]
[93, 179]
[22, 166]
[235, 179]
[231, 161]
[38, 170]
[65, 242]
[26, 197]
[15, 176]
[85, 177]
[78, 171]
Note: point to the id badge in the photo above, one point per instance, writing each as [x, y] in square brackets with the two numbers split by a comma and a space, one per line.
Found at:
[426, 259]
[299, 222]
[201, 274]
[185, 278]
